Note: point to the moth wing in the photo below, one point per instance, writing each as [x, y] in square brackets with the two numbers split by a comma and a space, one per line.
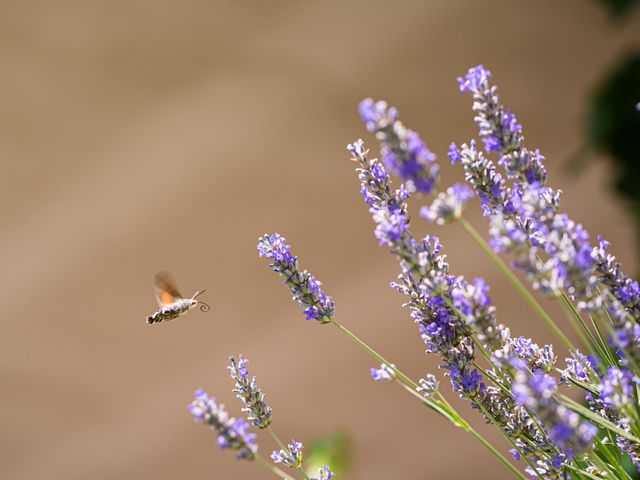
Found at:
[166, 291]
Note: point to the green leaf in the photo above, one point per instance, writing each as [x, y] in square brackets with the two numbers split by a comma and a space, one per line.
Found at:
[333, 449]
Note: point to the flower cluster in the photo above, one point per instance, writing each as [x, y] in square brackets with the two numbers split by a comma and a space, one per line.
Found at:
[291, 457]
[428, 385]
[510, 380]
[448, 311]
[559, 259]
[232, 433]
[536, 392]
[259, 413]
[403, 151]
[553, 250]
[448, 205]
[305, 288]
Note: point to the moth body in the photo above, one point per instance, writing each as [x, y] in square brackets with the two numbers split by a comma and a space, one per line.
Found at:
[172, 310]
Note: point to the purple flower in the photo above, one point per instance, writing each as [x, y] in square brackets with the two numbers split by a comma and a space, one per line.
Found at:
[476, 79]
[384, 373]
[428, 385]
[499, 129]
[447, 206]
[325, 474]
[552, 250]
[391, 225]
[231, 433]
[259, 413]
[305, 288]
[481, 174]
[580, 367]
[438, 302]
[402, 150]
[537, 392]
[617, 389]
[291, 457]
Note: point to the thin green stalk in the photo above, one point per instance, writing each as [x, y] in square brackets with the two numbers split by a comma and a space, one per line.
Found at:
[446, 411]
[273, 468]
[478, 437]
[606, 451]
[374, 354]
[595, 418]
[582, 472]
[490, 377]
[602, 465]
[522, 290]
[510, 440]
[605, 347]
[276, 439]
[444, 408]
[572, 314]
[497, 454]
[578, 383]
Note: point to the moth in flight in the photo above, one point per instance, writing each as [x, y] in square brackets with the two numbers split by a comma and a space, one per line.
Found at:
[172, 304]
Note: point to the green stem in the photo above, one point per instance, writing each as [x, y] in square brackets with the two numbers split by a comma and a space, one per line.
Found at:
[273, 468]
[610, 457]
[444, 408]
[605, 347]
[500, 457]
[518, 285]
[595, 418]
[276, 439]
[583, 473]
[510, 440]
[374, 354]
[573, 314]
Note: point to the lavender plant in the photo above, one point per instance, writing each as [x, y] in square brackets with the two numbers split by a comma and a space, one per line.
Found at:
[513, 383]
[234, 433]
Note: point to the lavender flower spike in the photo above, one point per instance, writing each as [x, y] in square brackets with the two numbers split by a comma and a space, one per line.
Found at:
[403, 151]
[305, 288]
[250, 394]
[499, 129]
[291, 457]
[232, 433]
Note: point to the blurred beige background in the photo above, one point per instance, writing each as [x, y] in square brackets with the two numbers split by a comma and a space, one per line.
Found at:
[137, 136]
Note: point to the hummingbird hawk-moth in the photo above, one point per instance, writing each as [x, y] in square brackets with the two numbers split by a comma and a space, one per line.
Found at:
[172, 304]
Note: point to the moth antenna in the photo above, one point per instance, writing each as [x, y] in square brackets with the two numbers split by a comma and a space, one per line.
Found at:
[198, 293]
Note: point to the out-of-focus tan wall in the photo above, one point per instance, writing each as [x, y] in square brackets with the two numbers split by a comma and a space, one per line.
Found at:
[137, 136]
